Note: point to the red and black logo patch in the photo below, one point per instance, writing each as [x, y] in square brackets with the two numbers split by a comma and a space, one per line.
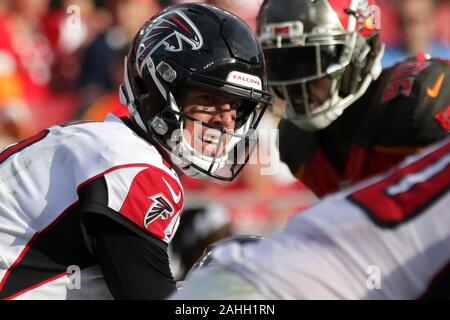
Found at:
[170, 31]
[160, 208]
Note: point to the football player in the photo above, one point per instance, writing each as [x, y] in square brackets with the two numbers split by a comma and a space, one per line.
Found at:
[386, 238]
[345, 118]
[88, 208]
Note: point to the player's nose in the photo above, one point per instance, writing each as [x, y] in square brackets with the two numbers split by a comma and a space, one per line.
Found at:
[223, 116]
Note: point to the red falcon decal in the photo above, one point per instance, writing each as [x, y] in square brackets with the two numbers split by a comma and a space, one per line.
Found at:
[160, 208]
[153, 201]
[174, 28]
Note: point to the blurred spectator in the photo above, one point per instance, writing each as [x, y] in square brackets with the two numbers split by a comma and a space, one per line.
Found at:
[15, 120]
[443, 18]
[69, 27]
[127, 16]
[418, 28]
[246, 10]
[109, 102]
[3, 6]
[26, 48]
[26, 58]
[39, 62]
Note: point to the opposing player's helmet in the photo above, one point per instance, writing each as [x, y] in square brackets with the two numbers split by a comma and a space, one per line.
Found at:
[331, 42]
[190, 46]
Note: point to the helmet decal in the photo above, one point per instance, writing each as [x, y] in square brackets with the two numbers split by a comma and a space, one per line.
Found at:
[245, 79]
[171, 30]
[362, 16]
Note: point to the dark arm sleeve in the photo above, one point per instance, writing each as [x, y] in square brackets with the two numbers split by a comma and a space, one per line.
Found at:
[135, 264]
[296, 146]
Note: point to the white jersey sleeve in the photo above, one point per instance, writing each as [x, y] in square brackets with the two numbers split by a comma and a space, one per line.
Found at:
[386, 239]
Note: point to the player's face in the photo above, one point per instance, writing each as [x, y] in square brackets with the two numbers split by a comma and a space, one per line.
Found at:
[318, 92]
[214, 109]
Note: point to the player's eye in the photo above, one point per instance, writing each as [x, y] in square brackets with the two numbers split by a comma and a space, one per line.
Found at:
[202, 107]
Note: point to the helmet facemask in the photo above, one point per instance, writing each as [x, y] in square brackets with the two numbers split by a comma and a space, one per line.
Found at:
[202, 149]
[208, 149]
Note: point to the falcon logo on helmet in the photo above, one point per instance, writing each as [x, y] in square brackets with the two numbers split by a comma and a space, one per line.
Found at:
[170, 30]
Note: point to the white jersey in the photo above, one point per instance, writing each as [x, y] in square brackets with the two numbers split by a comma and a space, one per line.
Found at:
[386, 239]
[40, 232]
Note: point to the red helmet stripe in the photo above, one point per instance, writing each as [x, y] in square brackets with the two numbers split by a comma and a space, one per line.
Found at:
[180, 23]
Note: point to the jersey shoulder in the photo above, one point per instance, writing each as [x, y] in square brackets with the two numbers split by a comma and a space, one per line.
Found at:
[106, 145]
[409, 104]
[141, 186]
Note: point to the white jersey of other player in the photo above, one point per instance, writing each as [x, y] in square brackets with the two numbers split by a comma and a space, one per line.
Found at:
[41, 238]
[388, 238]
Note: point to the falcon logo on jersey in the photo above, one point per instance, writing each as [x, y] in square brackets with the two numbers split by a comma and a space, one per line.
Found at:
[160, 208]
[173, 28]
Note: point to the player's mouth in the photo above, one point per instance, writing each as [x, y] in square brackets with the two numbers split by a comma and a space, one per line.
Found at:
[210, 138]
[210, 144]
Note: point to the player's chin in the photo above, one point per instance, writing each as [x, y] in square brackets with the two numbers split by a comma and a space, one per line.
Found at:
[209, 149]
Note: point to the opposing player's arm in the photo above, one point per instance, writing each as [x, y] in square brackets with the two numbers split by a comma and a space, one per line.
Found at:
[126, 229]
[296, 146]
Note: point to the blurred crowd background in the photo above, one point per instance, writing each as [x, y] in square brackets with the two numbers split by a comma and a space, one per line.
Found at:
[62, 60]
